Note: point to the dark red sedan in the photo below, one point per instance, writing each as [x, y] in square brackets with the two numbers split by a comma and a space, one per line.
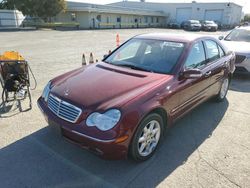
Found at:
[123, 105]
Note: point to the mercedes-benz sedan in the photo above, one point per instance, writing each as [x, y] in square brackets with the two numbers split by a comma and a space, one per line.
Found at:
[123, 105]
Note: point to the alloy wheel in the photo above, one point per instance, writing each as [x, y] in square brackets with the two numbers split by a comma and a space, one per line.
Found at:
[224, 88]
[149, 138]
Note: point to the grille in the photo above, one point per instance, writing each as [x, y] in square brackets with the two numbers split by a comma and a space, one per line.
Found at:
[240, 58]
[63, 109]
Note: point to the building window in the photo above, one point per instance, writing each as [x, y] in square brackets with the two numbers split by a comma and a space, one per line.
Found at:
[146, 19]
[73, 17]
[152, 19]
[107, 19]
[136, 20]
[99, 18]
[118, 19]
[157, 20]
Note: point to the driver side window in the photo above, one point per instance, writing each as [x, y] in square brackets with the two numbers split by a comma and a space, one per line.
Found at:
[196, 57]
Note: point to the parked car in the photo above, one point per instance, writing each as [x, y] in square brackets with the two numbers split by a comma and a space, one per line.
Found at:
[192, 25]
[219, 24]
[238, 40]
[174, 25]
[209, 26]
[123, 105]
[245, 24]
[183, 23]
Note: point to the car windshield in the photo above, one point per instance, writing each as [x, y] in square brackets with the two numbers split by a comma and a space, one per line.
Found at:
[147, 55]
[239, 35]
[194, 21]
[209, 22]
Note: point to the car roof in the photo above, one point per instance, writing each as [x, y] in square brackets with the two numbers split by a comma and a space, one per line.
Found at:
[184, 38]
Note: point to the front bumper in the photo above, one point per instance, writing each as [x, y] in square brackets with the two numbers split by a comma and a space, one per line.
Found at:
[209, 28]
[105, 148]
[195, 28]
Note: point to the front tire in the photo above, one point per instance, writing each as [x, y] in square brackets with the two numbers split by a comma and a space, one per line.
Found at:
[147, 137]
[223, 90]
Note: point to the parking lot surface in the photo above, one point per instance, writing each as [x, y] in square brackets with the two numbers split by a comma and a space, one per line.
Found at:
[209, 147]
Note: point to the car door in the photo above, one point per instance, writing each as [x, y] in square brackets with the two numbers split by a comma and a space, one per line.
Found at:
[217, 63]
[193, 91]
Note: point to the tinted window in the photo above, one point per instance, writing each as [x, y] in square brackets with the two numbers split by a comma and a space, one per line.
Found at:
[196, 56]
[149, 55]
[212, 50]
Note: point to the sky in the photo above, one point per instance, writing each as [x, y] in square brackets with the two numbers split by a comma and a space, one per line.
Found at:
[244, 3]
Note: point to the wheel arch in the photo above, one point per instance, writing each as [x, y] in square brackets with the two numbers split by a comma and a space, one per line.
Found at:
[160, 111]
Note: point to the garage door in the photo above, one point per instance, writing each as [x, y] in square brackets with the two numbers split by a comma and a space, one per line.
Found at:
[215, 15]
[183, 14]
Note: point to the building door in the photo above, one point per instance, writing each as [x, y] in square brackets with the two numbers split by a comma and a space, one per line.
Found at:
[215, 15]
[183, 14]
[93, 23]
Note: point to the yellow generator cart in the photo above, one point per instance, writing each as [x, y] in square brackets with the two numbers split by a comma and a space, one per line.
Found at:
[14, 78]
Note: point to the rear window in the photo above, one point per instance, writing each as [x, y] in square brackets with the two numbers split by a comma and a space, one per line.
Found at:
[194, 21]
[209, 22]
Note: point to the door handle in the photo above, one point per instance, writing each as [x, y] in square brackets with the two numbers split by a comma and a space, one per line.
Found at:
[226, 63]
[207, 74]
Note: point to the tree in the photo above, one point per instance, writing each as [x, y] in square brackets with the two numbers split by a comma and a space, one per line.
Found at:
[44, 9]
[7, 4]
[247, 18]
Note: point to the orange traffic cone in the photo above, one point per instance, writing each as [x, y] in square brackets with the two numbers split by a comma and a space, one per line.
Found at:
[83, 60]
[117, 40]
[91, 58]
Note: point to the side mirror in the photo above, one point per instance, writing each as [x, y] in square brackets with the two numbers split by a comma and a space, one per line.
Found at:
[221, 37]
[104, 56]
[191, 74]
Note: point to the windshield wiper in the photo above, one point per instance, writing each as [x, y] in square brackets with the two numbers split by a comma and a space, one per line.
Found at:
[106, 62]
[134, 67]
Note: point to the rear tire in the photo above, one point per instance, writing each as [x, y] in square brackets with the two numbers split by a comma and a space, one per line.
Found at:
[223, 90]
[147, 137]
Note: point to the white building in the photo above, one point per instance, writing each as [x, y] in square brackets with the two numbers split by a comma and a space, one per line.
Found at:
[106, 16]
[226, 13]
[11, 18]
[130, 14]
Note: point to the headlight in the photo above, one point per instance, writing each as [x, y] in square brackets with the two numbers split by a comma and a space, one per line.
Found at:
[46, 92]
[105, 121]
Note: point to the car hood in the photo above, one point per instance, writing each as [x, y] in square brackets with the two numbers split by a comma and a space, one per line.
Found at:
[103, 86]
[238, 46]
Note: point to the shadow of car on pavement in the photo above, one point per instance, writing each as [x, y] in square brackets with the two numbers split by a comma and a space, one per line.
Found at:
[240, 83]
[45, 159]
